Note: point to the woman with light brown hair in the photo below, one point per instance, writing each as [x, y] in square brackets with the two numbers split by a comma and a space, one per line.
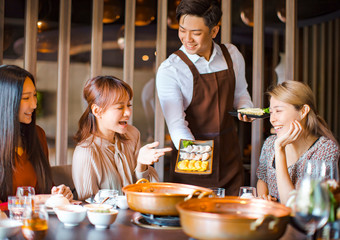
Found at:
[108, 153]
[301, 135]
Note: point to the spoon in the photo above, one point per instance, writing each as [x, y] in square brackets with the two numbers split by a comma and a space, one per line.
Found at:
[104, 200]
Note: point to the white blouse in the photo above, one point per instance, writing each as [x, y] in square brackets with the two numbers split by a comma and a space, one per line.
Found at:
[105, 165]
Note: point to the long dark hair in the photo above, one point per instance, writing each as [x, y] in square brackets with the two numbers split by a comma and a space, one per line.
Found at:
[102, 91]
[12, 79]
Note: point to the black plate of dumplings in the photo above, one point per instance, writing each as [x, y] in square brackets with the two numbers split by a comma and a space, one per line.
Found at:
[195, 157]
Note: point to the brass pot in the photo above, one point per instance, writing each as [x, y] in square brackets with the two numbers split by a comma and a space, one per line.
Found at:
[159, 198]
[233, 218]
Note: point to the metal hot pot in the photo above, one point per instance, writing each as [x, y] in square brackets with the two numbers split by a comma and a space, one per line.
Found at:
[233, 218]
[159, 198]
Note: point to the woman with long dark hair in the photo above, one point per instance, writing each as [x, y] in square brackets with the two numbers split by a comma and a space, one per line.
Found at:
[23, 147]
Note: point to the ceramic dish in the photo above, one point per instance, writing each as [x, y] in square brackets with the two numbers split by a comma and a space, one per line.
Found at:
[195, 157]
[97, 206]
[234, 113]
[9, 228]
[70, 215]
[102, 219]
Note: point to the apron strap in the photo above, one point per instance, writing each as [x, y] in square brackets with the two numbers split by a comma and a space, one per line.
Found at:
[189, 63]
[228, 58]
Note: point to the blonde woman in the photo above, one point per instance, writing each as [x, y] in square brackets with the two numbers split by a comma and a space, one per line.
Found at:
[301, 135]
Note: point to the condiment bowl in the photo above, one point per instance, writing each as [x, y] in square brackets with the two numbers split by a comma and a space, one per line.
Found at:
[9, 228]
[102, 218]
[70, 215]
[122, 202]
[97, 206]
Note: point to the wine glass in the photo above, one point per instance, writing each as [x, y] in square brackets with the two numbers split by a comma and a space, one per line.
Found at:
[312, 202]
[35, 223]
[25, 191]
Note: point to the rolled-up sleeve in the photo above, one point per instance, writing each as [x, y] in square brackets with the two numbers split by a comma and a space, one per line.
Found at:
[172, 103]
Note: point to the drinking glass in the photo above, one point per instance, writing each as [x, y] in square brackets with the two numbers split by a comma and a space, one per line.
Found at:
[218, 192]
[112, 194]
[247, 192]
[35, 223]
[312, 202]
[16, 206]
[25, 191]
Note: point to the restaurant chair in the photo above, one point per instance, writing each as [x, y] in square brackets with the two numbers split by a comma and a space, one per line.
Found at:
[63, 175]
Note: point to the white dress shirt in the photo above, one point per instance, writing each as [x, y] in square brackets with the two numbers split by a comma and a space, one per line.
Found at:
[174, 82]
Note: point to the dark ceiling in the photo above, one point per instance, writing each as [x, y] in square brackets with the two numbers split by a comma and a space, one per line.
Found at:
[308, 11]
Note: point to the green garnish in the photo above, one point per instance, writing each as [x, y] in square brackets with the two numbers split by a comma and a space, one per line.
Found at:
[186, 143]
[101, 210]
[266, 110]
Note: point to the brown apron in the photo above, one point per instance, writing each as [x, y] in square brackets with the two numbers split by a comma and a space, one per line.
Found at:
[208, 118]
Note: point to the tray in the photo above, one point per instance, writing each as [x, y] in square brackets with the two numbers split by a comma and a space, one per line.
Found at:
[200, 144]
[234, 113]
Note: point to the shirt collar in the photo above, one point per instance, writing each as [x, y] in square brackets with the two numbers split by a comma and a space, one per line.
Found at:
[194, 57]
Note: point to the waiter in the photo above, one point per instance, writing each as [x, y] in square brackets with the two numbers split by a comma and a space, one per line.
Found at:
[197, 86]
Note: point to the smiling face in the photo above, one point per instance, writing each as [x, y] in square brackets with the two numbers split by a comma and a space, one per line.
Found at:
[282, 115]
[28, 102]
[114, 118]
[195, 36]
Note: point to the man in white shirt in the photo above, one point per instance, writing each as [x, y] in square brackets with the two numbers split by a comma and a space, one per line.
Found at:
[197, 86]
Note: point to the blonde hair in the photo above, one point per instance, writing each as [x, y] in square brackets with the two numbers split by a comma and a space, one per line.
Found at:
[298, 94]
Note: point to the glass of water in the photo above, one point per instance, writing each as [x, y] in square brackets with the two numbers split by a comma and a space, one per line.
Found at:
[247, 192]
[218, 192]
[112, 196]
[25, 191]
[16, 206]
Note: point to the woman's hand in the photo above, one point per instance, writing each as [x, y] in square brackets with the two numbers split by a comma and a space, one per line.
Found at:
[149, 154]
[267, 197]
[64, 190]
[290, 136]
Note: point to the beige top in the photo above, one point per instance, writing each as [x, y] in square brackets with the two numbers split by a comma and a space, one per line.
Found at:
[105, 165]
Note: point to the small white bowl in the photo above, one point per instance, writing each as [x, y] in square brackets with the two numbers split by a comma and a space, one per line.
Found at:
[97, 206]
[122, 202]
[9, 228]
[102, 220]
[56, 200]
[70, 215]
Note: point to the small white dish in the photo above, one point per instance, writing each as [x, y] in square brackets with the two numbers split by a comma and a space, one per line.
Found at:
[56, 200]
[97, 206]
[122, 202]
[70, 215]
[9, 228]
[102, 220]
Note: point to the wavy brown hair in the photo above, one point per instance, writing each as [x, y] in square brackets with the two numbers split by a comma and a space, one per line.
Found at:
[298, 94]
[102, 91]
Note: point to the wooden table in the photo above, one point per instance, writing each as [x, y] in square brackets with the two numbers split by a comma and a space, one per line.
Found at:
[123, 229]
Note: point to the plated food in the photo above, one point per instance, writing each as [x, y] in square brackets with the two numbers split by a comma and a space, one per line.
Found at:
[251, 112]
[195, 157]
[56, 200]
